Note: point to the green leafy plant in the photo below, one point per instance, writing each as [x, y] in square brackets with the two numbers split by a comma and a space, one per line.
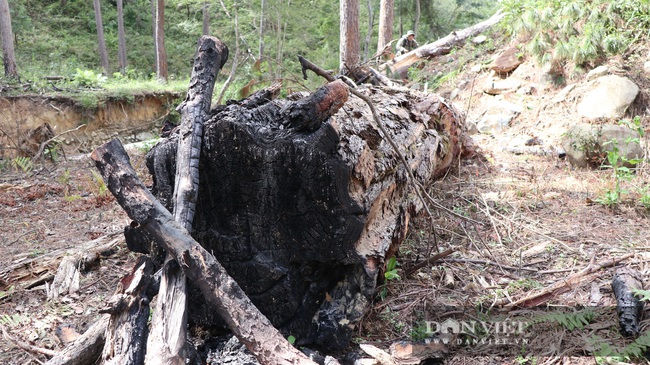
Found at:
[291, 339]
[23, 163]
[88, 78]
[577, 32]
[570, 321]
[391, 270]
[620, 165]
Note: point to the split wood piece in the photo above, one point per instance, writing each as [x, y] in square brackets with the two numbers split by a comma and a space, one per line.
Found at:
[628, 306]
[399, 65]
[571, 282]
[86, 349]
[24, 345]
[217, 287]
[169, 324]
[126, 334]
[35, 271]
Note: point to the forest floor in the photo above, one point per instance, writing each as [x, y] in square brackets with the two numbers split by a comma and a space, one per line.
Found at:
[523, 227]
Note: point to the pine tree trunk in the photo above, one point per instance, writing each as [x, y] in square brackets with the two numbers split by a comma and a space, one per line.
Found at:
[121, 51]
[416, 20]
[103, 54]
[349, 35]
[386, 16]
[161, 54]
[7, 36]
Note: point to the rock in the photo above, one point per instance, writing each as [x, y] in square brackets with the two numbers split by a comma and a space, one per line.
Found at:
[610, 97]
[646, 67]
[144, 136]
[586, 145]
[499, 116]
[454, 94]
[479, 39]
[498, 86]
[562, 95]
[597, 72]
[507, 61]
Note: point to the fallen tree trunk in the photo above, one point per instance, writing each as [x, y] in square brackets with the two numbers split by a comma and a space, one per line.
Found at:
[399, 65]
[169, 329]
[303, 203]
[217, 287]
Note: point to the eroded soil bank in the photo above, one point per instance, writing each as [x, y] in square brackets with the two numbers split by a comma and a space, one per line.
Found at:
[85, 126]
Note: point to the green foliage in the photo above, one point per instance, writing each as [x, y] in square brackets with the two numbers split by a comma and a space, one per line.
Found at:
[23, 164]
[605, 353]
[577, 32]
[6, 293]
[620, 167]
[570, 321]
[14, 320]
[291, 339]
[391, 270]
[88, 78]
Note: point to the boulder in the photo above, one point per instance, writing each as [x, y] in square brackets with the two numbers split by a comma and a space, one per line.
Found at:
[507, 61]
[587, 145]
[609, 97]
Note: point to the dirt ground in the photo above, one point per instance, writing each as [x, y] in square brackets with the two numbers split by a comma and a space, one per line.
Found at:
[520, 225]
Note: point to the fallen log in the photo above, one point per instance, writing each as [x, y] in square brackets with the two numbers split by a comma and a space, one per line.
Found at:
[628, 306]
[31, 272]
[399, 65]
[217, 287]
[303, 199]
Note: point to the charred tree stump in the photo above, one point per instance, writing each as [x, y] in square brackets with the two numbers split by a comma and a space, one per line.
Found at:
[303, 199]
[217, 288]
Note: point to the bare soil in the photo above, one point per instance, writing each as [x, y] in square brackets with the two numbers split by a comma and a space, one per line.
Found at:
[518, 224]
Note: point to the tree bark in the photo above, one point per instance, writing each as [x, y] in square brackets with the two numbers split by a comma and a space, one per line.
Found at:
[260, 53]
[386, 16]
[121, 49]
[161, 53]
[7, 37]
[101, 42]
[218, 288]
[349, 35]
[416, 20]
[167, 341]
[155, 37]
[399, 65]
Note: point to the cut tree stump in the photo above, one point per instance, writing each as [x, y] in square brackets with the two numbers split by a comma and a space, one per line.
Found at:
[303, 199]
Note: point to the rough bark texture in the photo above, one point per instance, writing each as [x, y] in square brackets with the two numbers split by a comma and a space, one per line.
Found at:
[101, 42]
[349, 34]
[161, 53]
[302, 201]
[126, 332]
[399, 65]
[386, 11]
[121, 49]
[628, 306]
[7, 36]
[217, 287]
[167, 341]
